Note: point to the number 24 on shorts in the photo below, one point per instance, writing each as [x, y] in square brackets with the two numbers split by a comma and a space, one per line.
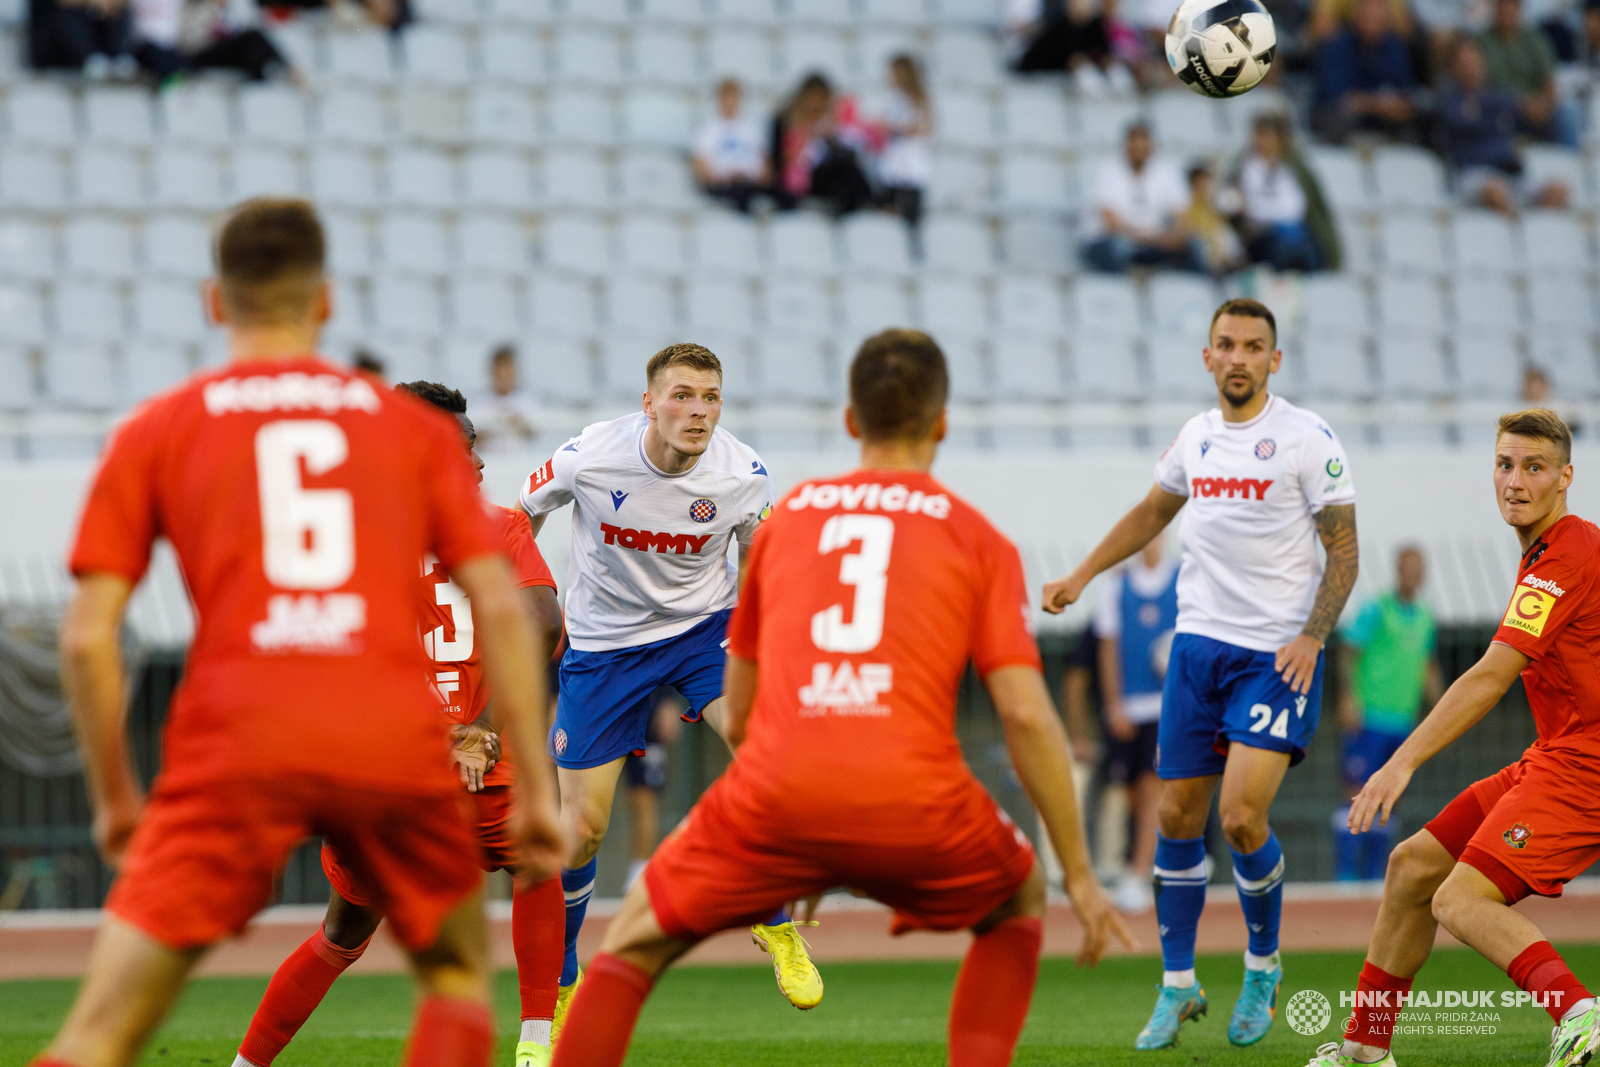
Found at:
[1262, 714]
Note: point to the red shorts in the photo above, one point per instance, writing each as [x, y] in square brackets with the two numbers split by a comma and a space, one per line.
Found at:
[1521, 830]
[489, 809]
[710, 876]
[205, 859]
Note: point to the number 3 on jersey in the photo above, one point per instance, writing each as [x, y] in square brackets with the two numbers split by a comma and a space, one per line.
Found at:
[307, 535]
[868, 571]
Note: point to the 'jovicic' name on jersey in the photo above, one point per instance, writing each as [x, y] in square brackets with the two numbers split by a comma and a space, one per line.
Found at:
[1250, 566]
[649, 550]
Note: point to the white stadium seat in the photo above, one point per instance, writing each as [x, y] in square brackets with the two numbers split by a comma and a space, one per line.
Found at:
[120, 116]
[1544, 164]
[1182, 304]
[1488, 365]
[1035, 181]
[178, 246]
[196, 112]
[1483, 242]
[720, 303]
[1408, 177]
[588, 55]
[1035, 241]
[961, 180]
[169, 310]
[40, 112]
[667, 56]
[1486, 303]
[344, 177]
[151, 365]
[796, 368]
[1030, 304]
[577, 243]
[1411, 365]
[353, 114]
[640, 305]
[872, 304]
[22, 319]
[1177, 368]
[1343, 177]
[349, 244]
[16, 378]
[957, 243]
[435, 55]
[361, 56]
[1106, 304]
[563, 305]
[652, 178]
[32, 179]
[1561, 301]
[415, 243]
[658, 117]
[98, 247]
[876, 242]
[1410, 303]
[187, 178]
[673, 12]
[1335, 302]
[1184, 123]
[575, 178]
[806, 51]
[1035, 115]
[512, 55]
[966, 119]
[81, 372]
[494, 243]
[651, 244]
[272, 114]
[89, 310]
[1106, 367]
[1331, 367]
[801, 242]
[1029, 367]
[406, 305]
[497, 179]
[108, 178]
[834, 13]
[580, 116]
[970, 375]
[743, 52]
[503, 116]
[799, 307]
[1412, 243]
[264, 171]
[485, 307]
[1568, 358]
[953, 306]
[1102, 125]
[27, 250]
[965, 57]
[421, 177]
[1555, 240]
[520, 12]
[726, 242]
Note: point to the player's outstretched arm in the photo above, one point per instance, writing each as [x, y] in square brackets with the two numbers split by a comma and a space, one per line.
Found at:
[1038, 749]
[1462, 705]
[1131, 533]
[1297, 661]
[92, 674]
[517, 681]
[738, 697]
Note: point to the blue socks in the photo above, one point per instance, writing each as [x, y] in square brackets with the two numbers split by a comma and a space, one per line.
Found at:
[1180, 888]
[1259, 875]
[577, 885]
[779, 919]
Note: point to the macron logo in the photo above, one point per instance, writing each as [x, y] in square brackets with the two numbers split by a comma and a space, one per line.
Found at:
[1244, 487]
[1543, 583]
[617, 499]
[644, 540]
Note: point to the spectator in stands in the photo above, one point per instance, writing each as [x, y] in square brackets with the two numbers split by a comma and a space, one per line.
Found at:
[1521, 60]
[1283, 216]
[905, 166]
[1477, 125]
[1364, 79]
[1136, 218]
[1219, 244]
[68, 34]
[367, 364]
[729, 160]
[811, 157]
[1535, 388]
[506, 416]
[1088, 41]
[174, 37]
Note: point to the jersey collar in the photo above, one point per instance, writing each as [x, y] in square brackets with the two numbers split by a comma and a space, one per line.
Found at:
[1272, 402]
[657, 471]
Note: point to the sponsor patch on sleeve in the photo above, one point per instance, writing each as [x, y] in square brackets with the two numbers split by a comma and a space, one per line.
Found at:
[1529, 609]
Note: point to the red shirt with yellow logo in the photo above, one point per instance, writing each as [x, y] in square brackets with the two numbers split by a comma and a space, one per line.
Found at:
[1554, 620]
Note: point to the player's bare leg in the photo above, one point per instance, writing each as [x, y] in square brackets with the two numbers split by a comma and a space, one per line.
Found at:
[454, 1025]
[995, 987]
[131, 983]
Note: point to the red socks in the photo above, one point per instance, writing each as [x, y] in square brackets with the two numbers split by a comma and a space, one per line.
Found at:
[296, 989]
[1541, 971]
[450, 1032]
[1377, 1004]
[601, 1020]
[993, 993]
[538, 936]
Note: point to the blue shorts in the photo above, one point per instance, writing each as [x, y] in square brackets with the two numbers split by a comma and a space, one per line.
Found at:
[605, 705]
[1366, 750]
[1216, 693]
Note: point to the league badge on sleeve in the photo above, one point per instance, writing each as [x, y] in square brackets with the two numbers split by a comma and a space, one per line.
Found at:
[703, 510]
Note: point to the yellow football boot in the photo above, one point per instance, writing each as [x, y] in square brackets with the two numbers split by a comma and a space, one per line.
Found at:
[798, 979]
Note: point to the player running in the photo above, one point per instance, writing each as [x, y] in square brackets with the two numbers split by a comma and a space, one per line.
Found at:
[449, 638]
[656, 498]
[299, 500]
[1262, 480]
[866, 596]
[1532, 827]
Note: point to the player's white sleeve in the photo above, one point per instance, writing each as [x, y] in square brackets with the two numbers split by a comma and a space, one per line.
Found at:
[757, 504]
[1170, 474]
[1324, 472]
[1108, 613]
[550, 487]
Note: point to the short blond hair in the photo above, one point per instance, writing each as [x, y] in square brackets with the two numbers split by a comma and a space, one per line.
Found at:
[1541, 424]
[696, 357]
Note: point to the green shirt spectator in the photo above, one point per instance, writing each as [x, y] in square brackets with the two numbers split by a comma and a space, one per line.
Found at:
[1524, 63]
[1394, 639]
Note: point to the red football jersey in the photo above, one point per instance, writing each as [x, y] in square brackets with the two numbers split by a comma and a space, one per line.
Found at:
[866, 597]
[1554, 620]
[447, 630]
[299, 499]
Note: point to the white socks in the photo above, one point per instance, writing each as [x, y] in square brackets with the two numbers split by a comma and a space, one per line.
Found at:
[240, 1061]
[1262, 963]
[1578, 1009]
[1179, 979]
[635, 869]
[535, 1030]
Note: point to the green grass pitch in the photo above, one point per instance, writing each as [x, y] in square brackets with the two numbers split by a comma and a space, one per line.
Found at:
[875, 1013]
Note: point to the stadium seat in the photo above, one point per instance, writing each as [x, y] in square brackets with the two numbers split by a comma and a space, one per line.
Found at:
[801, 242]
[1035, 181]
[722, 241]
[520, 12]
[622, 359]
[272, 114]
[1488, 365]
[89, 310]
[1343, 177]
[187, 178]
[349, 244]
[1410, 303]
[406, 306]
[41, 113]
[168, 310]
[966, 119]
[687, 13]
[1560, 301]
[796, 369]
[576, 243]
[1555, 240]
[798, 307]
[562, 305]
[1028, 367]
[579, 116]
[957, 243]
[407, 357]
[1486, 303]
[1411, 244]
[451, 12]
[667, 56]
[1239, 113]
[361, 56]
[1483, 242]
[814, 13]
[300, 43]
[757, 12]
[1177, 368]
[1568, 359]
[741, 378]
[82, 372]
[149, 366]
[813, 49]
[1182, 304]
[351, 320]
[658, 118]
[876, 45]
[560, 367]
[501, 116]
[1102, 125]
[575, 178]
[912, 14]
[34, 180]
[176, 246]
[421, 177]
[1038, 242]
[1185, 124]
[640, 305]
[1408, 177]
[953, 306]
[651, 244]
[1411, 365]
[119, 116]
[344, 177]
[98, 247]
[1030, 305]
[27, 250]
[196, 112]
[873, 304]
[961, 180]
[1035, 115]
[1106, 366]
[17, 391]
[655, 179]
[414, 242]
[875, 242]
[108, 178]
[1544, 163]
[1106, 304]
[587, 55]
[435, 55]
[1355, 240]
[723, 303]
[1335, 302]
[484, 307]
[497, 179]
[964, 57]
[353, 114]
[1331, 366]
[490, 242]
[21, 314]
[511, 55]
[743, 52]
[971, 378]
[264, 171]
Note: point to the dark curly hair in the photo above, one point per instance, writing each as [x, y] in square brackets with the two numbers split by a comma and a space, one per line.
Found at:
[440, 396]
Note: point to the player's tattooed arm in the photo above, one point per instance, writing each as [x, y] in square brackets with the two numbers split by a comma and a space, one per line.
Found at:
[1337, 527]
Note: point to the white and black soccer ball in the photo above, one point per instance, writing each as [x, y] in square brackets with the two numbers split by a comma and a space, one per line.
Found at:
[1221, 48]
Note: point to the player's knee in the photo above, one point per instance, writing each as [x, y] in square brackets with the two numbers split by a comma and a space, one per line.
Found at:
[588, 830]
[1414, 872]
[1447, 905]
[1245, 828]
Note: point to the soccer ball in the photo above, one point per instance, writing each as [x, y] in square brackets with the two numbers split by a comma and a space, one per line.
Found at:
[1221, 47]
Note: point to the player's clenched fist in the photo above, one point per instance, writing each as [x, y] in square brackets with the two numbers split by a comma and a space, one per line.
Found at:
[1061, 592]
[1100, 921]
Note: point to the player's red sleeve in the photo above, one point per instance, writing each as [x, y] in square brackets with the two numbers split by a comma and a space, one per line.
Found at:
[1002, 634]
[744, 629]
[527, 562]
[1545, 600]
[121, 517]
[462, 527]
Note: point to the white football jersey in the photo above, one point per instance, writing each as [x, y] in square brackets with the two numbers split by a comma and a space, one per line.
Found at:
[1250, 565]
[649, 550]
